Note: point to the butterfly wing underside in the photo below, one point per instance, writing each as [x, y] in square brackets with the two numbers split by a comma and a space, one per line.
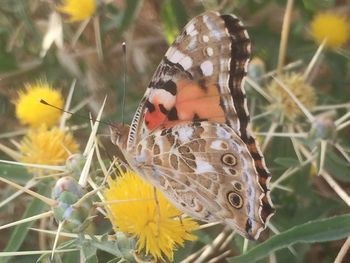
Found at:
[194, 79]
[199, 85]
[206, 170]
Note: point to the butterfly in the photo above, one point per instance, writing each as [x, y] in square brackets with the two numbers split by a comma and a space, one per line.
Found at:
[190, 134]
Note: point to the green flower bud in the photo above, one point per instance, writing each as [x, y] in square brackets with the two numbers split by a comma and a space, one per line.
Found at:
[75, 164]
[67, 192]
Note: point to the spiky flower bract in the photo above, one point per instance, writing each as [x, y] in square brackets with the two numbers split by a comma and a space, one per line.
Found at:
[332, 27]
[31, 112]
[47, 146]
[158, 232]
[78, 10]
[283, 104]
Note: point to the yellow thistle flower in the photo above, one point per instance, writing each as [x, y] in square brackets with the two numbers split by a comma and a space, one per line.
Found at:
[30, 111]
[157, 233]
[47, 146]
[332, 27]
[78, 10]
[283, 104]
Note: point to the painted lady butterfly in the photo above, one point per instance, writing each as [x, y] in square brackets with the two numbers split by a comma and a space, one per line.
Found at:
[189, 136]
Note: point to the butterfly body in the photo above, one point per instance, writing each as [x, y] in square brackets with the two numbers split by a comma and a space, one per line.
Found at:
[190, 136]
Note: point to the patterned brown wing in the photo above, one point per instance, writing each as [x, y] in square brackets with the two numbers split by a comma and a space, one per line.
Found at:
[201, 79]
[205, 170]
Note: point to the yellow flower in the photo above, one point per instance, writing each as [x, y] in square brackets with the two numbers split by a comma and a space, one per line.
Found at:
[78, 10]
[47, 146]
[334, 28]
[30, 111]
[283, 104]
[158, 231]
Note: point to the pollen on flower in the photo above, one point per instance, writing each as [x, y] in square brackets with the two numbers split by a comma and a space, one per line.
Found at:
[157, 234]
[31, 112]
[47, 146]
[332, 27]
[283, 104]
[78, 10]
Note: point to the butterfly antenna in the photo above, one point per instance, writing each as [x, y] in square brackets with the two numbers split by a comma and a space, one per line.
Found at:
[125, 75]
[71, 113]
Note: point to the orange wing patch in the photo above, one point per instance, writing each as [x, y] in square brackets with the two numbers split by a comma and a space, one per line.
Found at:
[194, 100]
[198, 100]
[154, 118]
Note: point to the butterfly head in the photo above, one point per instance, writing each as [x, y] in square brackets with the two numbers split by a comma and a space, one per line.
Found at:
[119, 134]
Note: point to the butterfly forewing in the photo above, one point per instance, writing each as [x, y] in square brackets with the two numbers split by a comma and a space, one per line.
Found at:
[191, 82]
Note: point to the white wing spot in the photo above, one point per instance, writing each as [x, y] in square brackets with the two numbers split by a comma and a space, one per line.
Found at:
[185, 134]
[222, 133]
[176, 57]
[192, 44]
[216, 145]
[209, 51]
[203, 167]
[207, 68]
[205, 38]
[186, 63]
[193, 33]
[190, 28]
[164, 97]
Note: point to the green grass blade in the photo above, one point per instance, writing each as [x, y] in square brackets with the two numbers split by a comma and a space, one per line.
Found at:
[173, 17]
[15, 173]
[314, 231]
[20, 232]
[129, 13]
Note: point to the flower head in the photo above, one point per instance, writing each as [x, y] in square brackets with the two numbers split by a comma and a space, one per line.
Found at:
[283, 104]
[78, 10]
[30, 111]
[158, 231]
[47, 146]
[332, 27]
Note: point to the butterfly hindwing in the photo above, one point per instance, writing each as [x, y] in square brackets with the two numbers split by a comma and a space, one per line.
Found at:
[206, 170]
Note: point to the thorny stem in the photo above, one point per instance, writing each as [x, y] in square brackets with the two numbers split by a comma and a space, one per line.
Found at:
[28, 219]
[343, 251]
[39, 252]
[46, 200]
[97, 27]
[289, 66]
[217, 247]
[42, 239]
[342, 119]
[269, 136]
[284, 35]
[29, 184]
[342, 151]
[78, 33]
[329, 179]
[290, 172]
[65, 115]
[259, 89]
[59, 229]
[294, 143]
[85, 197]
[314, 60]
[276, 232]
